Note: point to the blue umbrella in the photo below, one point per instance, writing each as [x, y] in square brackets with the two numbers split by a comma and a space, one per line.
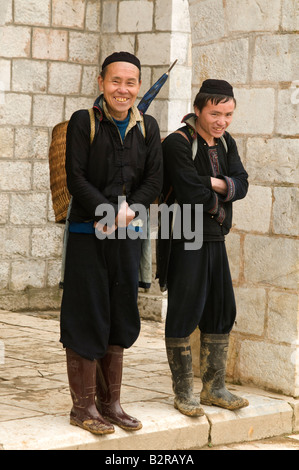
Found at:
[153, 91]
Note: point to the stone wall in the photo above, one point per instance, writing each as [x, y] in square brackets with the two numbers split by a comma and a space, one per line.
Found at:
[50, 53]
[252, 44]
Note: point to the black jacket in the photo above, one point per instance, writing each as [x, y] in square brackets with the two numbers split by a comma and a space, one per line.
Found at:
[108, 168]
[191, 184]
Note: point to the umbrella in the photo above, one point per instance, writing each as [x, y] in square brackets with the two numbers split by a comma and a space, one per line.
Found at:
[153, 91]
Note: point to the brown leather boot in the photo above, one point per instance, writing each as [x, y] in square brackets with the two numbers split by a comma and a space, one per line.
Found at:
[109, 377]
[82, 382]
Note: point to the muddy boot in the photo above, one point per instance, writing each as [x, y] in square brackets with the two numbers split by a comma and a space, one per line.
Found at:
[180, 363]
[213, 356]
[82, 382]
[109, 377]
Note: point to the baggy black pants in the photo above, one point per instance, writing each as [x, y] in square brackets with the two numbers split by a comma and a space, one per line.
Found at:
[99, 303]
[200, 291]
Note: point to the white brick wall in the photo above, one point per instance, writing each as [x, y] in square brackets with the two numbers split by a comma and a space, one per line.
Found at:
[253, 46]
[50, 55]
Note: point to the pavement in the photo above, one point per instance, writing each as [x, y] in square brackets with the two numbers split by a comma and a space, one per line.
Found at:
[35, 400]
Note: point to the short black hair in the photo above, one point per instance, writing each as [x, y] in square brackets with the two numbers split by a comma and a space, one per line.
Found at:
[201, 99]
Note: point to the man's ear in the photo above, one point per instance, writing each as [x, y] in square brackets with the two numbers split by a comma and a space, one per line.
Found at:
[100, 82]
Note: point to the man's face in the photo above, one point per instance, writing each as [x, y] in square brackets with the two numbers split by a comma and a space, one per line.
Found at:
[120, 87]
[214, 119]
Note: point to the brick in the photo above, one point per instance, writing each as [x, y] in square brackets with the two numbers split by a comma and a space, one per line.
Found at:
[64, 79]
[253, 213]
[163, 15]
[47, 110]
[27, 273]
[5, 75]
[116, 42]
[29, 76]
[4, 208]
[251, 310]
[109, 21]
[4, 274]
[90, 80]
[84, 47]
[41, 176]
[259, 372]
[54, 273]
[32, 12]
[253, 15]
[135, 16]
[15, 176]
[207, 20]
[10, 112]
[68, 13]
[271, 261]
[6, 142]
[255, 111]
[283, 66]
[6, 12]
[272, 160]
[47, 241]
[16, 242]
[155, 54]
[15, 41]
[28, 209]
[288, 114]
[31, 143]
[233, 247]
[227, 60]
[286, 211]
[283, 308]
[290, 15]
[49, 44]
[93, 15]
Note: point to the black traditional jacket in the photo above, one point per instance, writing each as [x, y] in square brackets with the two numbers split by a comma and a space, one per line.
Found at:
[98, 173]
[188, 182]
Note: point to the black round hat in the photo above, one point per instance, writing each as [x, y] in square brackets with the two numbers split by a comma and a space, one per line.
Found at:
[216, 87]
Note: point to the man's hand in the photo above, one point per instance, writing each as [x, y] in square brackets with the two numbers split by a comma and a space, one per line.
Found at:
[125, 215]
[219, 186]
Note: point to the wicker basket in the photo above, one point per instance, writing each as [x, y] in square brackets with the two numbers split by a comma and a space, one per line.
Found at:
[60, 194]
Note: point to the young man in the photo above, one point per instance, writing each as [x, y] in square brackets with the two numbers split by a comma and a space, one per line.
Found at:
[99, 313]
[200, 291]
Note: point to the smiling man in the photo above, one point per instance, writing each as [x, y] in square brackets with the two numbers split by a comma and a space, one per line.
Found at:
[99, 313]
[200, 291]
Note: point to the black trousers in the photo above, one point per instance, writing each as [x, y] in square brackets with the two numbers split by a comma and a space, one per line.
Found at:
[99, 303]
[200, 291]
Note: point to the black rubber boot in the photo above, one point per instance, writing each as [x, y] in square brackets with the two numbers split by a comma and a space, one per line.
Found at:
[180, 363]
[213, 357]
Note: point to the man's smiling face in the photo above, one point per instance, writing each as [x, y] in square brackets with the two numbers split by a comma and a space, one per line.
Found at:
[120, 85]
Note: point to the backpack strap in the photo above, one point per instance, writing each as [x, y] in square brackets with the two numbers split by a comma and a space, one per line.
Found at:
[92, 124]
[195, 144]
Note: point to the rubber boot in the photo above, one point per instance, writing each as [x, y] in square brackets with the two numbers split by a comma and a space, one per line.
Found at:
[180, 363]
[109, 378]
[82, 382]
[213, 357]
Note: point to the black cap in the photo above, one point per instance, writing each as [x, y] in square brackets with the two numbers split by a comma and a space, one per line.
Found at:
[121, 57]
[216, 87]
